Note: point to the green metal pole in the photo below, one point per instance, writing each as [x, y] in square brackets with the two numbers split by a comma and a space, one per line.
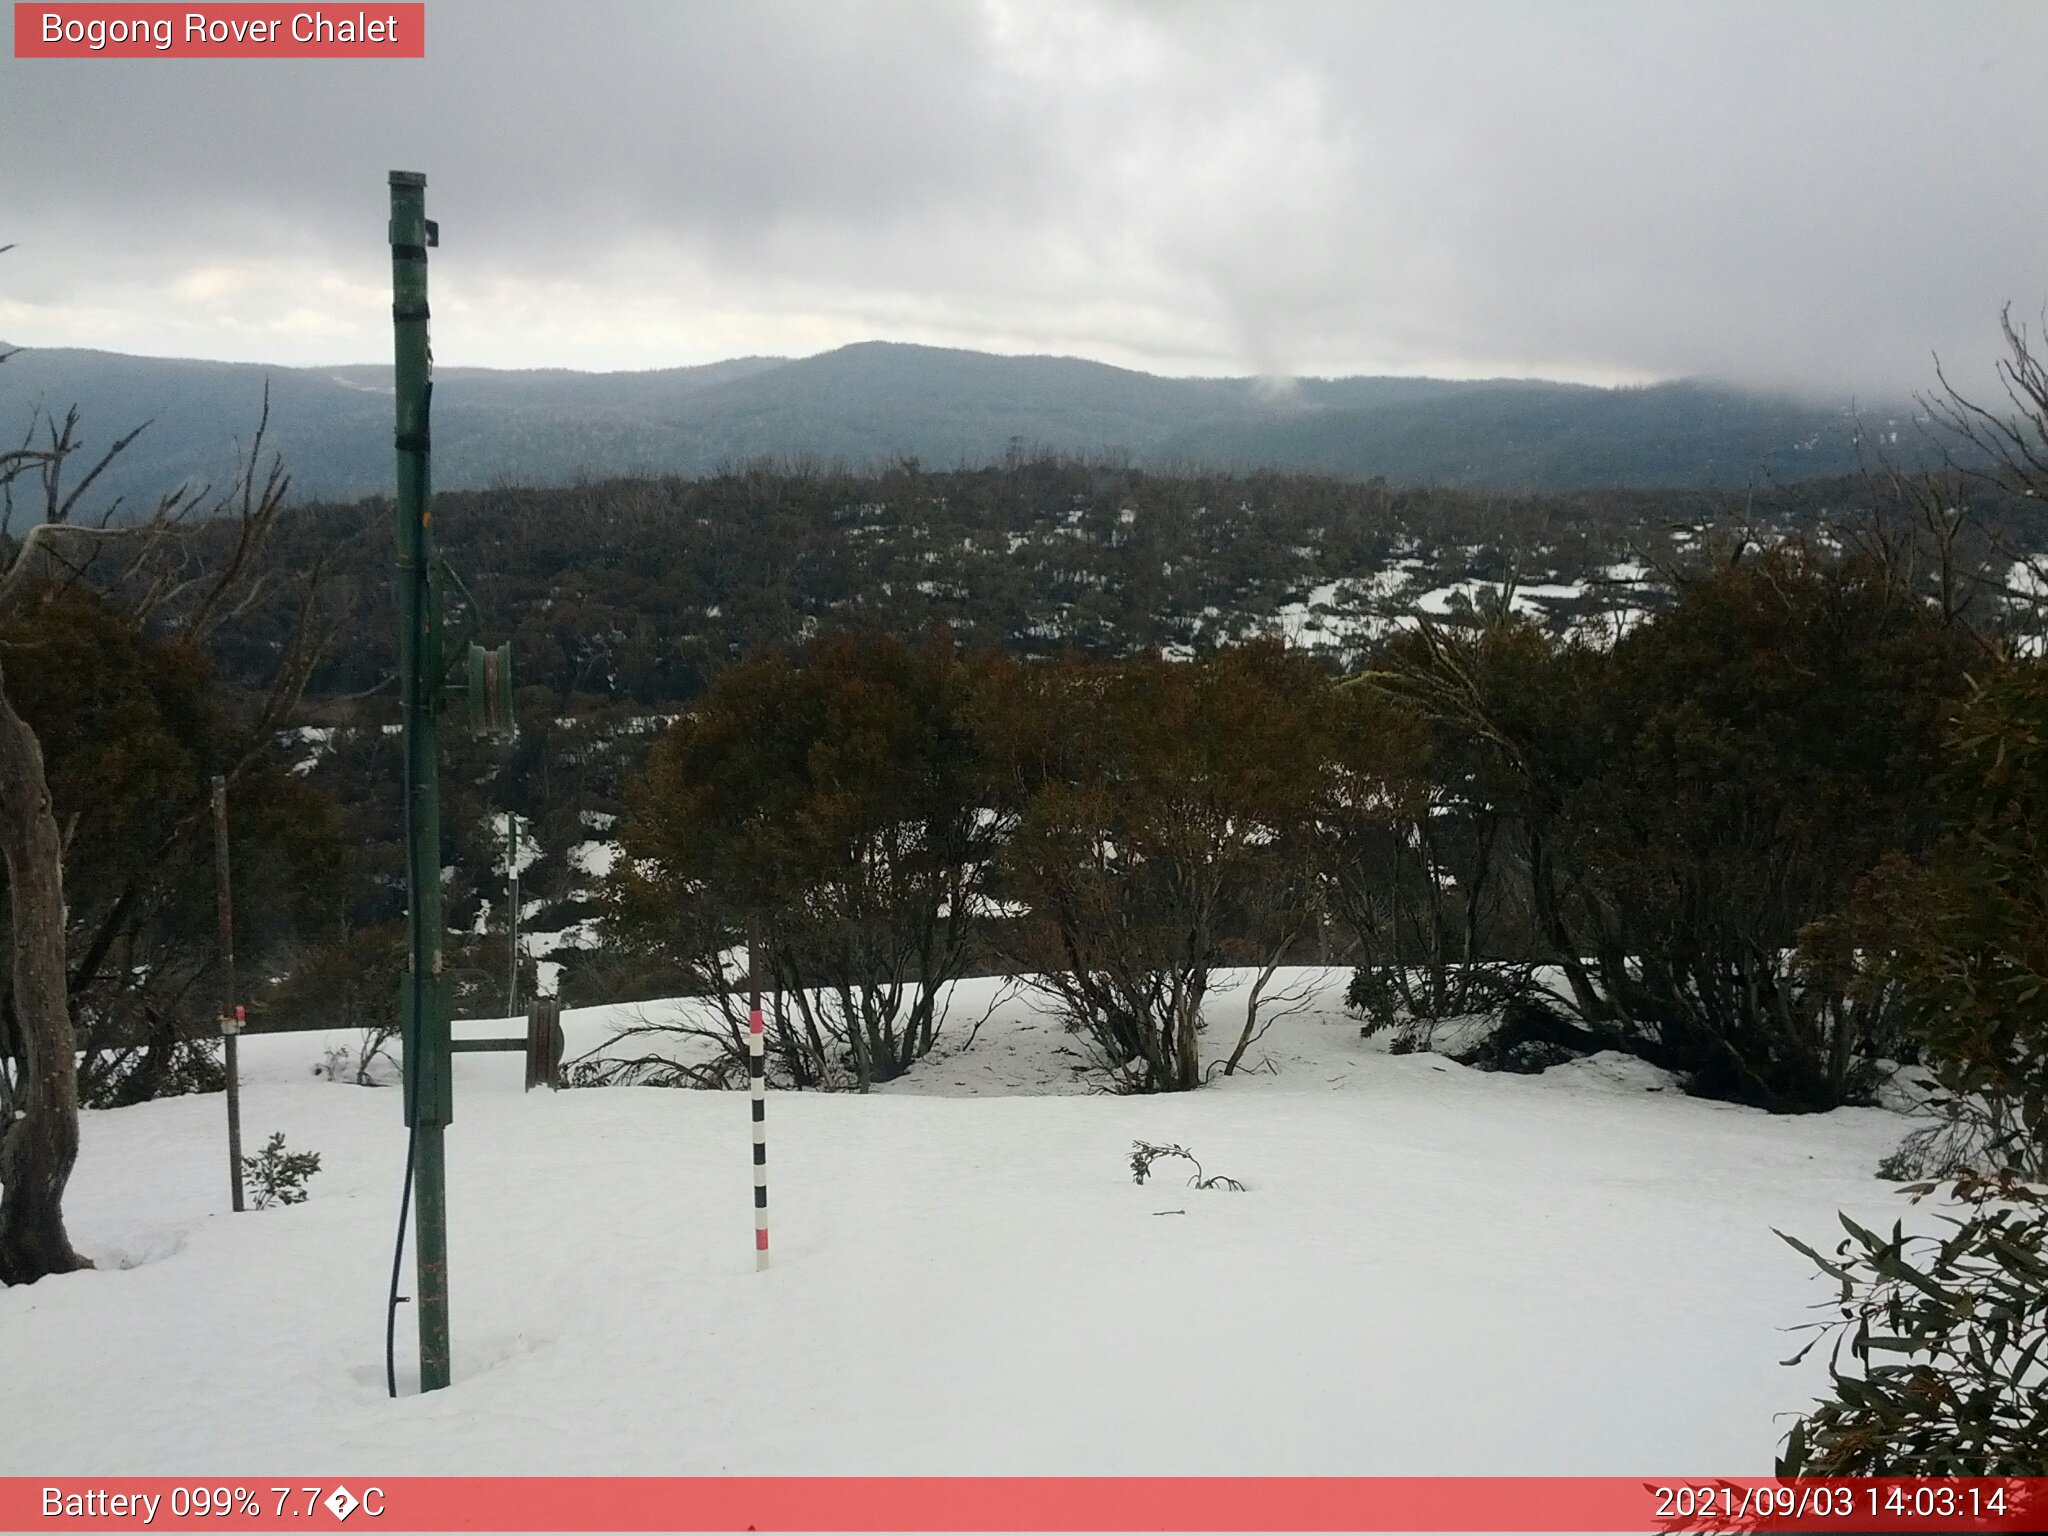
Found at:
[420, 671]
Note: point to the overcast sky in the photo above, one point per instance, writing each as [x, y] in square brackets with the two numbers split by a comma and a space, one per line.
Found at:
[1811, 194]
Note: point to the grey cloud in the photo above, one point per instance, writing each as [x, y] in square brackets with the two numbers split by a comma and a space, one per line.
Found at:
[1813, 195]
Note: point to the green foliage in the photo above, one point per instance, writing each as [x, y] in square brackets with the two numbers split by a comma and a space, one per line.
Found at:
[1587, 811]
[125, 723]
[277, 1175]
[1948, 1343]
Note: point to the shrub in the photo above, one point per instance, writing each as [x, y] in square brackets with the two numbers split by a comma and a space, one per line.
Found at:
[279, 1176]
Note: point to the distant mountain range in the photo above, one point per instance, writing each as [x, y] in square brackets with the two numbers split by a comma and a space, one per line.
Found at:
[880, 401]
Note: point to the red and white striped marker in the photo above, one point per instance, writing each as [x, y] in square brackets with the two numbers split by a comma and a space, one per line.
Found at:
[757, 1064]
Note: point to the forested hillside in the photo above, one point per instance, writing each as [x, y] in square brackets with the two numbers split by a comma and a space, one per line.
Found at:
[630, 603]
[876, 403]
[632, 593]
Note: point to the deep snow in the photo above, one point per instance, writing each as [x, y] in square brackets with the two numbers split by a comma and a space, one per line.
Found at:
[1434, 1271]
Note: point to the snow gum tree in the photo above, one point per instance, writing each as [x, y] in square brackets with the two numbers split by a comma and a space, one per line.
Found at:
[1947, 1335]
[132, 725]
[1420, 869]
[1689, 802]
[39, 1086]
[154, 571]
[1165, 819]
[825, 806]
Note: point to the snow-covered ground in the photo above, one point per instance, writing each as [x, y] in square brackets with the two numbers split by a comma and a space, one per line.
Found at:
[1433, 1270]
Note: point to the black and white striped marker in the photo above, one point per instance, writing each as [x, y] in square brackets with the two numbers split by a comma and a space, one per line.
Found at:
[757, 1063]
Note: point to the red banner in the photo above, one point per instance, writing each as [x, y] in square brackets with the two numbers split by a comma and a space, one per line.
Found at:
[260, 31]
[1025, 1504]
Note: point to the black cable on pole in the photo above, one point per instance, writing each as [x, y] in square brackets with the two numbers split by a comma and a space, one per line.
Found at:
[414, 1071]
[414, 1066]
[412, 1141]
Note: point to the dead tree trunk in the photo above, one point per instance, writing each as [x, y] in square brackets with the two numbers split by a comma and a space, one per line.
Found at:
[40, 1142]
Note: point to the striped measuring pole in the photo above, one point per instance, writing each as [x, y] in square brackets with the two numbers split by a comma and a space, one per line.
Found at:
[757, 1072]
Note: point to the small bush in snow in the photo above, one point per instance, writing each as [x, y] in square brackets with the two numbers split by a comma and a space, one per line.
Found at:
[1144, 1154]
[588, 1074]
[278, 1176]
[358, 1065]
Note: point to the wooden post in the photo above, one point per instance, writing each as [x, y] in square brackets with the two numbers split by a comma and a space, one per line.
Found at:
[230, 1011]
[544, 1043]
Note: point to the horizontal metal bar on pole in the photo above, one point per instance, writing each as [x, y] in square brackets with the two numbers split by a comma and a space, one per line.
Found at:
[514, 1044]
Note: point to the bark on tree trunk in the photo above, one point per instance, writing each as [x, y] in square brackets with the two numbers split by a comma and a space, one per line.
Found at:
[38, 1148]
